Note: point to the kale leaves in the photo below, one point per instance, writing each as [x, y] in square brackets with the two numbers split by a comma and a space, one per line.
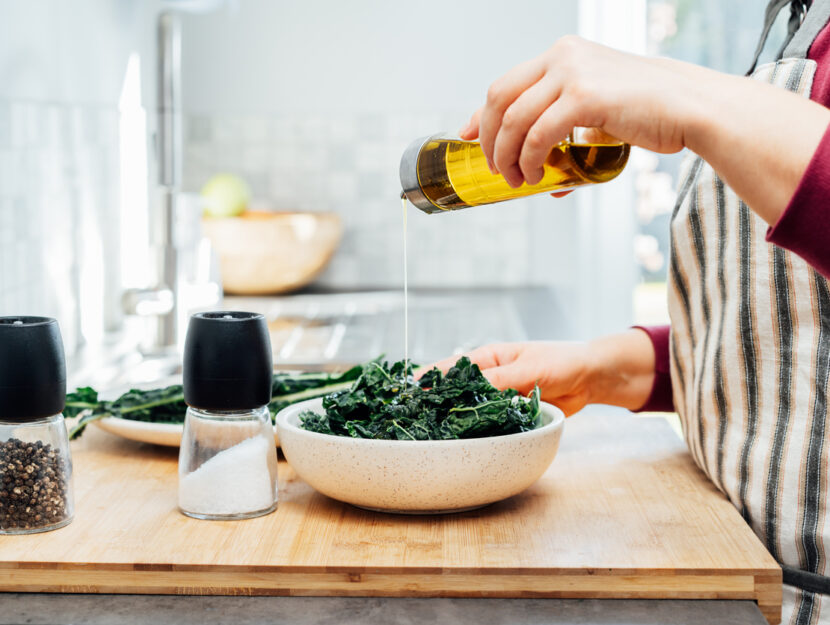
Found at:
[385, 402]
[166, 405]
[374, 400]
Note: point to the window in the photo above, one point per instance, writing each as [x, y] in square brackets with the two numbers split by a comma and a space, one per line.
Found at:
[720, 35]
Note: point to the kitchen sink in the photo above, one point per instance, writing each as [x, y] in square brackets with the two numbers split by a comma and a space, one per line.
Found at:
[320, 330]
[334, 330]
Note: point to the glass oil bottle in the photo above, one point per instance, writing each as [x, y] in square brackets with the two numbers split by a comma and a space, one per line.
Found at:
[439, 173]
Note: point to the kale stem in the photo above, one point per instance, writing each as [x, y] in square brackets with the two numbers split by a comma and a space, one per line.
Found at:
[465, 409]
[85, 420]
[82, 404]
[422, 428]
[494, 402]
[152, 404]
[403, 429]
[379, 368]
[308, 393]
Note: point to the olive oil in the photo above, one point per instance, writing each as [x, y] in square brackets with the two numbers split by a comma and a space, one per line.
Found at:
[453, 174]
[405, 296]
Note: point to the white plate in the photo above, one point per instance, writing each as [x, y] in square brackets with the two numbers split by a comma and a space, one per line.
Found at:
[168, 434]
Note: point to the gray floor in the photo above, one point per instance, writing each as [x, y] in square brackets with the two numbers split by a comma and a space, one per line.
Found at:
[57, 609]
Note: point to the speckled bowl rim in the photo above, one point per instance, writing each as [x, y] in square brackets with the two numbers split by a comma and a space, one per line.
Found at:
[557, 420]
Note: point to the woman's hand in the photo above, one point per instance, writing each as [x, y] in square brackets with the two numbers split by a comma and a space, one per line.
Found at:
[759, 138]
[616, 370]
[578, 83]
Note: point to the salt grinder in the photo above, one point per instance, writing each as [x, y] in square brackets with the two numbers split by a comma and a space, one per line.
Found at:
[35, 463]
[228, 457]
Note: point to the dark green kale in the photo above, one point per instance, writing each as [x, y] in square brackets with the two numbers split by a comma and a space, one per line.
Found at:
[166, 405]
[385, 402]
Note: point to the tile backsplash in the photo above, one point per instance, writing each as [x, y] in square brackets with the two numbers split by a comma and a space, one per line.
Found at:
[61, 208]
[59, 218]
[349, 165]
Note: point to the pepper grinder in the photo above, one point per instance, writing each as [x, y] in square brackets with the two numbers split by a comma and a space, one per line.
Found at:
[35, 463]
[228, 457]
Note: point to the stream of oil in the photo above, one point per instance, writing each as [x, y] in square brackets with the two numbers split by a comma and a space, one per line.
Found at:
[405, 297]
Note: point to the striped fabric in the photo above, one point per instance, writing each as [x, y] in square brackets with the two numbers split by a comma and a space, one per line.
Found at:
[750, 360]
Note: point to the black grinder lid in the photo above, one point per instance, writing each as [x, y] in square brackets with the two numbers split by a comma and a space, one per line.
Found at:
[32, 369]
[227, 361]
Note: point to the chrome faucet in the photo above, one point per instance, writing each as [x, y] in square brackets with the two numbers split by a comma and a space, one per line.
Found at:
[169, 146]
[160, 302]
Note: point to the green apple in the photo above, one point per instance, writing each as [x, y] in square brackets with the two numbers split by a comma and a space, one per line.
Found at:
[225, 195]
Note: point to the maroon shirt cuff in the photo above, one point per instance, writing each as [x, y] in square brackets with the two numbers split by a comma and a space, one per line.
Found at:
[660, 399]
[804, 227]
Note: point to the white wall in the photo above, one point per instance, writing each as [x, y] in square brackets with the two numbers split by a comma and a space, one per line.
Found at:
[362, 56]
[312, 100]
[73, 52]
[313, 103]
[63, 67]
[606, 222]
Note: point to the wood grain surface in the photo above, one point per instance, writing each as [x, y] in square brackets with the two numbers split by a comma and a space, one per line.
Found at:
[623, 512]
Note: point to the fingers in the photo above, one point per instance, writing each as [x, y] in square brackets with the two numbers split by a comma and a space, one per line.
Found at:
[485, 357]
[482, 356]
[470, 131]
[517, 120]
[442, 365]
[509, 376]
[560, 193]
[501, 95]
[515, 376]
[552, 126]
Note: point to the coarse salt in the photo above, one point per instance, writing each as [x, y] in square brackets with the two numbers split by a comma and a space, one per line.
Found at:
[234, 481]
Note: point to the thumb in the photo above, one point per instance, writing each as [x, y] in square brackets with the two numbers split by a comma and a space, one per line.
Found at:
[470, 131]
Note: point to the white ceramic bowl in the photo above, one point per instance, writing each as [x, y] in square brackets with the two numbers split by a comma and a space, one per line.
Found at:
[418, 477]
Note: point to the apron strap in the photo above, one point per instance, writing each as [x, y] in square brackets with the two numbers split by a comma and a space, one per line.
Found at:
[797, 10]
[805, 580]
[815, 20]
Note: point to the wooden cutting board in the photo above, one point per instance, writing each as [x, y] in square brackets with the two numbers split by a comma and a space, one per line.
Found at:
[623, 512]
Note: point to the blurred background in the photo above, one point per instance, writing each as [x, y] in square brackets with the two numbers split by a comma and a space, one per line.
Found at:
[114, 114]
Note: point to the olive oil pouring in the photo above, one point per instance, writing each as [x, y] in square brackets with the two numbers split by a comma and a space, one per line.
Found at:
[441, 174]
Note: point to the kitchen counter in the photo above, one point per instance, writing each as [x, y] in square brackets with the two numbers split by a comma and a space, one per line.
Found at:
[161, 609]
[539, 314]
[622, 514]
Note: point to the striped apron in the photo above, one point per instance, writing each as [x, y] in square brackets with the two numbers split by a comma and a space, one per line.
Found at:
[750, 360]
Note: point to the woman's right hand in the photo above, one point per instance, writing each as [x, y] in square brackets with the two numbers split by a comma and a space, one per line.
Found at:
[640, 100]
[617, 370]
[655, 103]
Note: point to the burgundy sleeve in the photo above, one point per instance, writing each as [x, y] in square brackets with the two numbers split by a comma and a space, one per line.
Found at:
[804, 227]
[660, 399]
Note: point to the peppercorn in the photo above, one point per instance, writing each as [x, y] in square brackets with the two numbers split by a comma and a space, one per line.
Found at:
[34, 480]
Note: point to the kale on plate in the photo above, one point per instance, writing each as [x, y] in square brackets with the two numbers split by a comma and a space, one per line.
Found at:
[385, 402]
[166, 405]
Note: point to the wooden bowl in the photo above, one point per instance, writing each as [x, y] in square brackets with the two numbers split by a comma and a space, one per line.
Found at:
[263, 252]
